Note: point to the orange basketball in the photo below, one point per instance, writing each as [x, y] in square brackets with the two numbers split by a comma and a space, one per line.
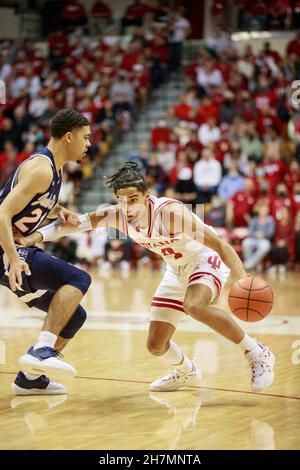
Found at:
[251, 299]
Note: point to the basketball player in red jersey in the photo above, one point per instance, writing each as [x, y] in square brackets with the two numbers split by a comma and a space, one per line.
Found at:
[198, 266]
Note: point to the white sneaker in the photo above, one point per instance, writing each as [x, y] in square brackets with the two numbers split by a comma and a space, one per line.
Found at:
[262, 366]
[176, 379]
[45, 361]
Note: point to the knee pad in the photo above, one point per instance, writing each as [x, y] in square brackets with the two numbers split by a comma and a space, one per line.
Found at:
[81, 280]
[74, 324]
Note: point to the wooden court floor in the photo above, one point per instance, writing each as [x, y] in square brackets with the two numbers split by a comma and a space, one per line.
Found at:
[109, 405]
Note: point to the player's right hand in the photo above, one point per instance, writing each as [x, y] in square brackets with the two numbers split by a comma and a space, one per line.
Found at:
[16, 268]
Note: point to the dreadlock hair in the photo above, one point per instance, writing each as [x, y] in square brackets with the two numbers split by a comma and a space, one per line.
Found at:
[126, 176]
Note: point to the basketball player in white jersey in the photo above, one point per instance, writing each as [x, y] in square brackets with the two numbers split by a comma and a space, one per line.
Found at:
[198, 266]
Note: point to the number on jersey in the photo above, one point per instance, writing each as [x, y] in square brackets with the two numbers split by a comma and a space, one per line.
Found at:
[34, 217]
[170, 251]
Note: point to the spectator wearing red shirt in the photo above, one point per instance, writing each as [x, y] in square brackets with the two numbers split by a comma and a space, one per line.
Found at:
[160, 133]
[132, 55]
[268, 52]
[277, 13]
[284, 240]
[245, 106]
[25, 153]
[208, 109]
[183, 110]
[264, 96]
[134, 14]
[58, 41]
[73, 14]
[240, 206]
[293, 46]
[292, 176]
[281, 199]
[100, 10]
[274, 170]
[159, 47]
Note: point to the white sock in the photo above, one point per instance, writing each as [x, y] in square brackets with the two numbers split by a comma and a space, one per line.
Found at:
[249, 344]
[46, 339]
[175, 357]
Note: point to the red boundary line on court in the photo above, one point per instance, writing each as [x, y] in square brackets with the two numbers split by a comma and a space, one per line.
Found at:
[217, 389]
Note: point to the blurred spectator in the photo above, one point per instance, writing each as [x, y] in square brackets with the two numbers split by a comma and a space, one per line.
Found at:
[282, 199]
[251, 145]
[8, 160]
[155, 175]
[209, 132]
[217, 213]
[181, 178]
[293, 46]
[239, 208]
[231, 183]
[122, 112]
[209, 77]
[122, 86]
[258, 244]
[116, 255]
[142, 156]
[207, 175]
[134, 14]
[219, 42]
[284, 241]
[165, 157]
[100, 10]
[73, 14]
[179, 30]
[228, 109]
[277, 14]
[254, 15]
[160, 133]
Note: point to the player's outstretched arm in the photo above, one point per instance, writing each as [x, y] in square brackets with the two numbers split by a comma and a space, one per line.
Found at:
[103, 217]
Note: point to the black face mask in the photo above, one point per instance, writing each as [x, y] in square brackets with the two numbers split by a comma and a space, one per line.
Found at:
[281, 193]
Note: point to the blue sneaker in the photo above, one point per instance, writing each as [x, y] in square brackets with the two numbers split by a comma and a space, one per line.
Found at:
[45, 361]
[39, 386]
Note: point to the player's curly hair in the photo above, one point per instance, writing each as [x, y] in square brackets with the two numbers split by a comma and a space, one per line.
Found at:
[128, 175]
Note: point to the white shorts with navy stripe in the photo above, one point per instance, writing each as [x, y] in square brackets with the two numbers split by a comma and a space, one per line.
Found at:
[207, 269]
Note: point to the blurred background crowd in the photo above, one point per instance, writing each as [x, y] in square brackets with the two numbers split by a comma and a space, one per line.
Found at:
[231, 140]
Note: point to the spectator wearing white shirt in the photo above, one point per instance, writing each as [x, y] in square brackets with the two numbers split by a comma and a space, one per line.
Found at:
[209, 132]
[209, 77]
[66, 195]
[165, 157]
[219, 41]
[38, 105]
[207, 175]
[179, 28]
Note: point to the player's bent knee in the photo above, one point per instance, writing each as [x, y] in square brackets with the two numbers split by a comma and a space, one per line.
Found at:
[81, 280]
[156, 348]
[74, 324]
[195, 309]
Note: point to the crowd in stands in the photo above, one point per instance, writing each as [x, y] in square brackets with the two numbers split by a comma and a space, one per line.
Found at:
[103, 78]
[260, 15]
[232, 141]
